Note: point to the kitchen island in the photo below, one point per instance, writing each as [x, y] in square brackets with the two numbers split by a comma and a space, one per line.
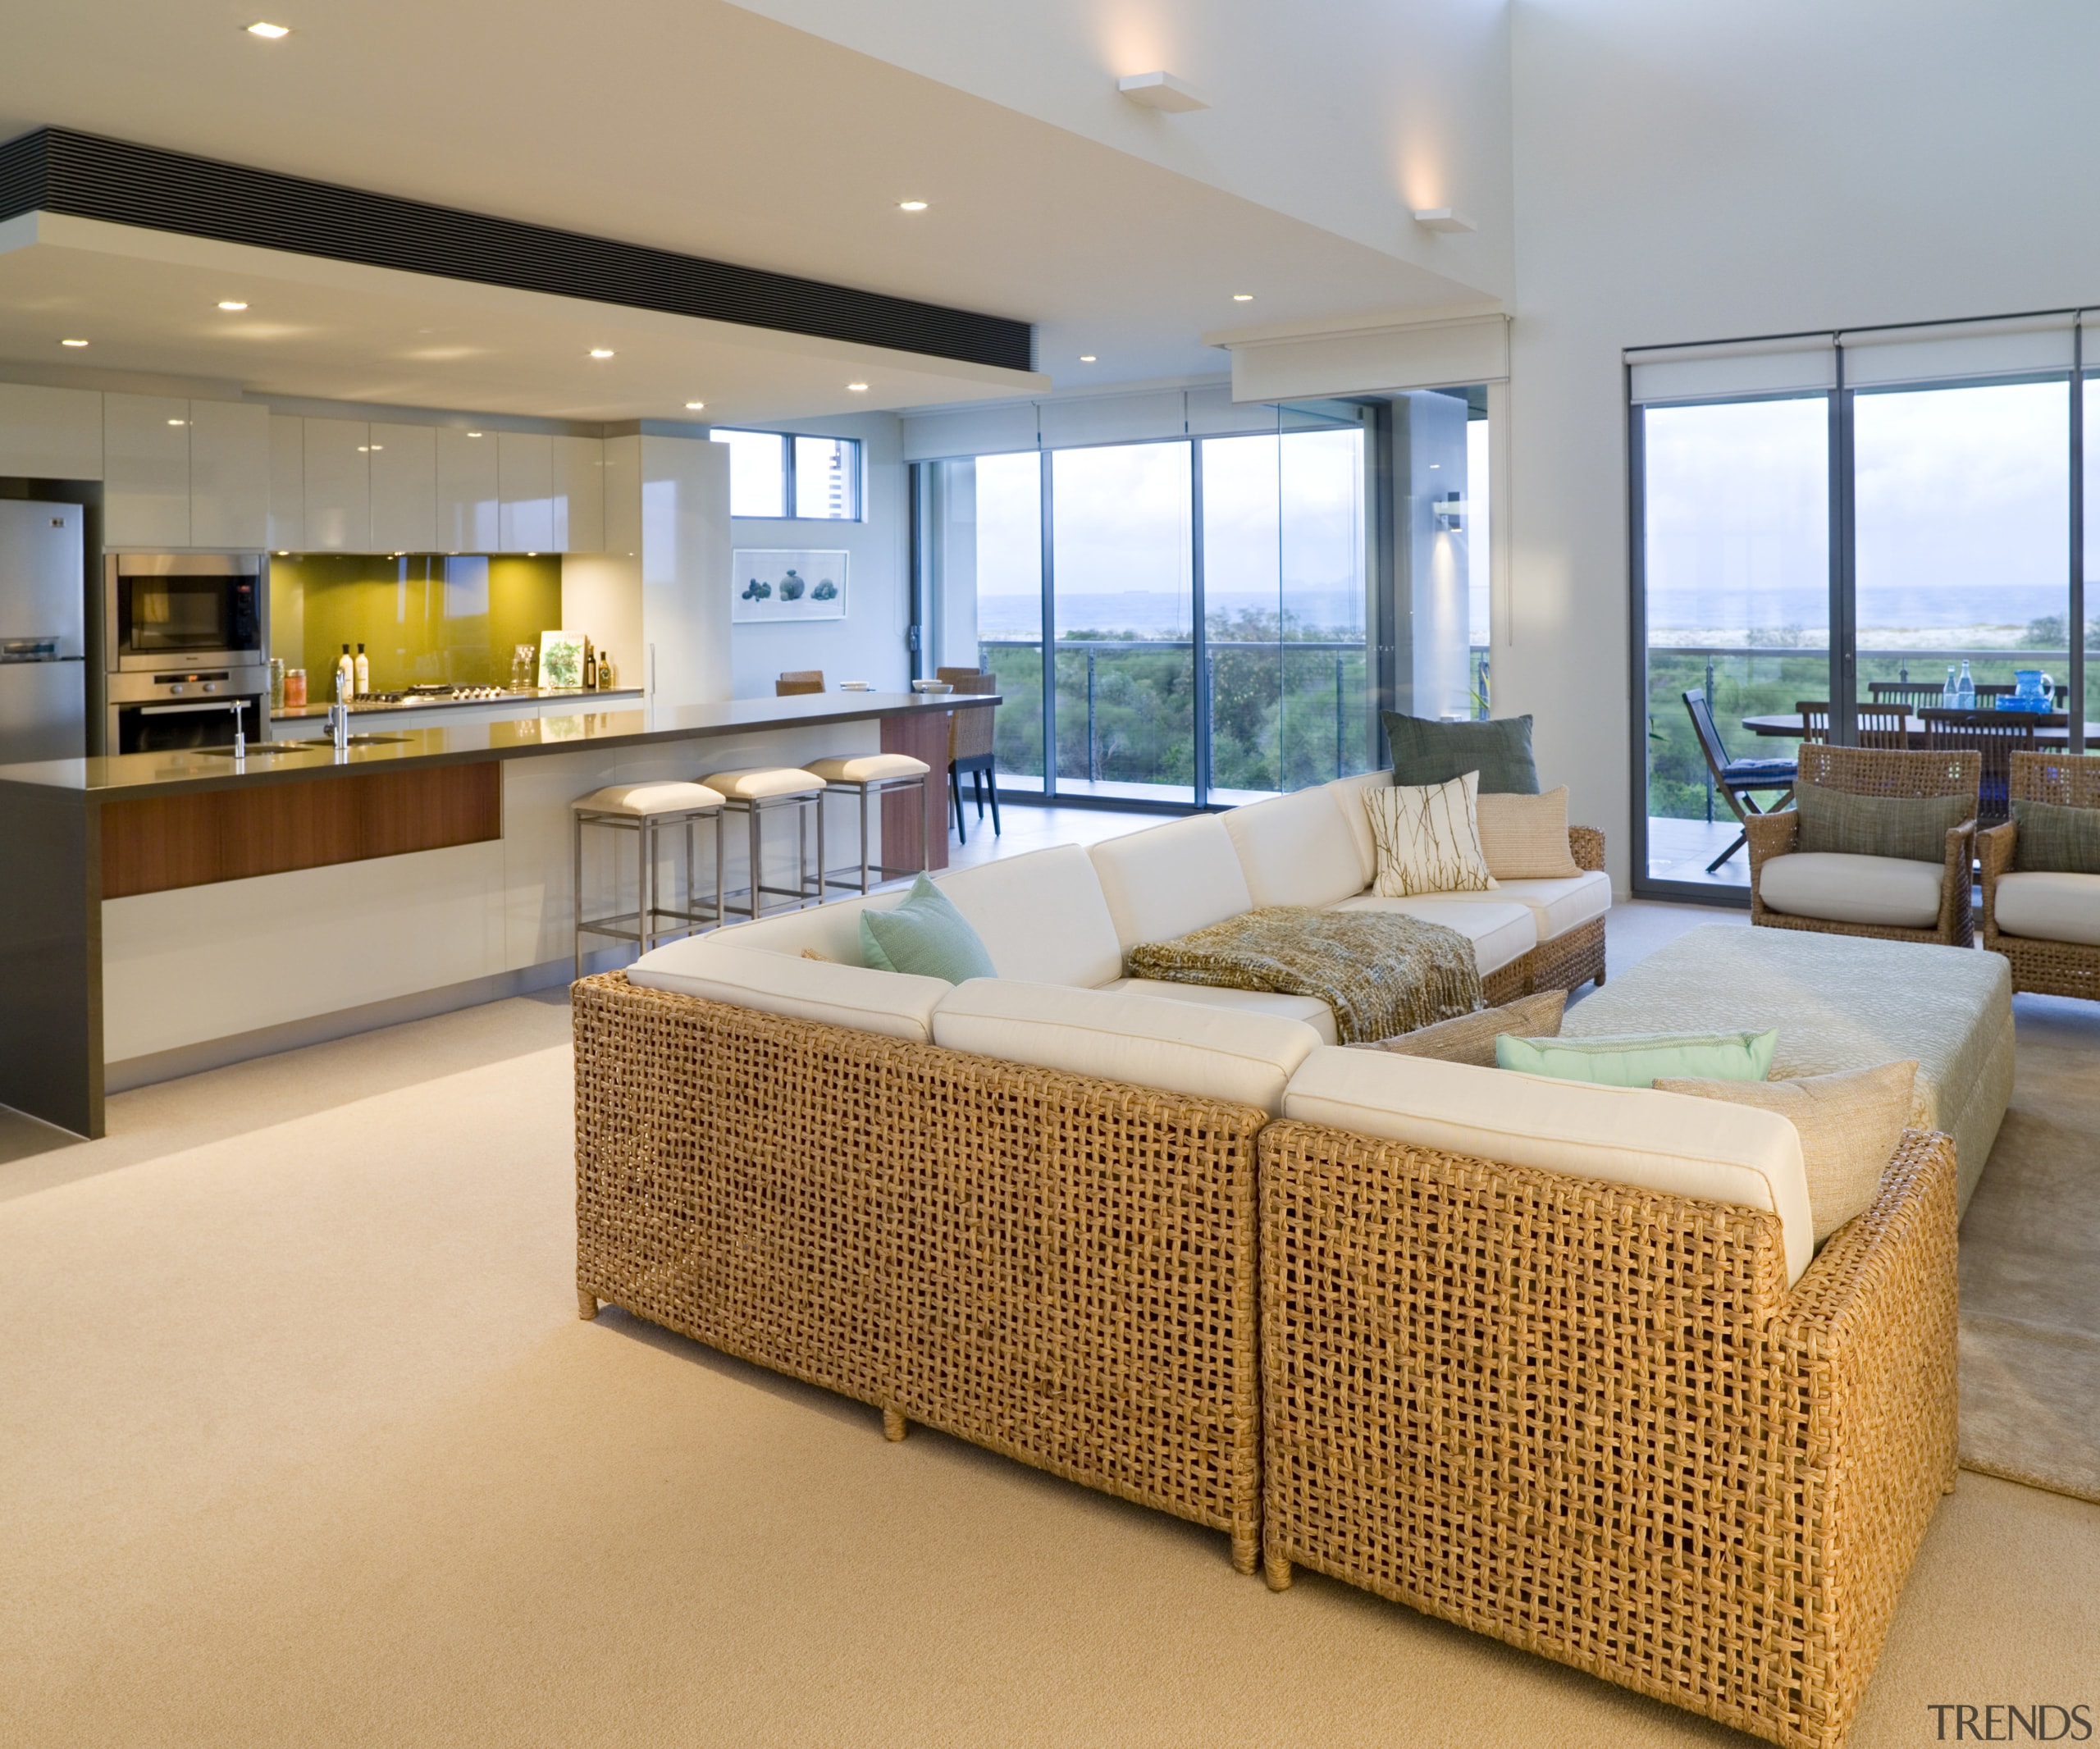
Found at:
[161, 913]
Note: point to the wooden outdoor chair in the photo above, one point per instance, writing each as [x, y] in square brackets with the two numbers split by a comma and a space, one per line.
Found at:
[969, 748]
[1995, 735]
[2046, 924]
[1912, 695]
[797, 680]
[1736, 779]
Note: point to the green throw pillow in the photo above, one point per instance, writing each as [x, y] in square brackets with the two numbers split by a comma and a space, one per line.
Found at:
[2054, 839]
[1911, 828]
[1500, 751]
[1639, 1061]
[925, 935]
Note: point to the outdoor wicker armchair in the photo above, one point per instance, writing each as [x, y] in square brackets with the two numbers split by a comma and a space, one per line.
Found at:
[1871, 771]
[2046, 966]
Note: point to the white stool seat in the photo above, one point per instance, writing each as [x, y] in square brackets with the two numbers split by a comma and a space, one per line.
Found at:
[649, 799]
[763, 783]
[868, 768]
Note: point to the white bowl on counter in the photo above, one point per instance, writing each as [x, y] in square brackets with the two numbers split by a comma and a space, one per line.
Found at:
[932, 688]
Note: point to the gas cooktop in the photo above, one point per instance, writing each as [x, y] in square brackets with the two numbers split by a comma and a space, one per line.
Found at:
[439, 695]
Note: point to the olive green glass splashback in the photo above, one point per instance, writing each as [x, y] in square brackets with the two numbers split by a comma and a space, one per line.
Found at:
[423, 620]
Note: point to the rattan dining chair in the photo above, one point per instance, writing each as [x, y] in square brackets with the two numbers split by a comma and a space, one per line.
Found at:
[1735, 780]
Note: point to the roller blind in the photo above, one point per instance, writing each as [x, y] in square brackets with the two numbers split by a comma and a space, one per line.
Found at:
[1147, 416]
[1418, 355]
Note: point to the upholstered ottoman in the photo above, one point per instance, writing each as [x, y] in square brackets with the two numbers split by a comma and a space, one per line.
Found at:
[1840, 1002]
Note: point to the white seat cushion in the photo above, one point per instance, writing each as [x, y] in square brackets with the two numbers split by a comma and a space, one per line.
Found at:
[1041, 916]
[1835, 887]
[1296, 850]
[868, 768]
[1167, 880]
[1310, 1009]
[718, 968]
[1348, 793]
[640, 799]
[1556, 906]
[2050, 906]
[1671, 1142]
[831, 930]
[1499, 933]
[1207, 1052]
[760, 783]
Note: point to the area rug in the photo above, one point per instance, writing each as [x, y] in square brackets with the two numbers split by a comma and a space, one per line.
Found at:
[2030, 1266]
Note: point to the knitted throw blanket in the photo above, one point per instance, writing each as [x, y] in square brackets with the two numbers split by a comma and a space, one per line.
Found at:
[1381, 973]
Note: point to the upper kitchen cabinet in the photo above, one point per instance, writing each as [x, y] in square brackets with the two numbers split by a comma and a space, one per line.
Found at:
[526, 523]
[50, 434]
[146, 471]
[579, 495]
[337, 454]
[229, 475]
[287, 483]
[403, 488]
[469, 488]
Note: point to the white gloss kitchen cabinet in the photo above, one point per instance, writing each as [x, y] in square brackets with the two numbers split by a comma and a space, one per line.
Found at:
[579, 495]
[184, 473]
[50, 434]
[337, 489]
[527, 519]
[403, 488]
[469, 492]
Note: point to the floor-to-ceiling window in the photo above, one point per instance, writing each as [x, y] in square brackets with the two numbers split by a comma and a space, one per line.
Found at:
[1831, 534]
[1212, 601]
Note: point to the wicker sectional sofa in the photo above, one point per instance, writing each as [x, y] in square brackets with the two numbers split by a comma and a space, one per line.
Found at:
[1577, 1381]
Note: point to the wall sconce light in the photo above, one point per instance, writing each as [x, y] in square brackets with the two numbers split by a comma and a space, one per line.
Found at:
[1450, 519]
[1442, 218]
[1162, 91]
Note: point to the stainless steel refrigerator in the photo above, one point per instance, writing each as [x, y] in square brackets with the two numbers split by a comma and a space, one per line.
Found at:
[44, 670]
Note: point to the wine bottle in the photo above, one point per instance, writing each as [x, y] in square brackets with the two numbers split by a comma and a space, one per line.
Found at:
[590, 669]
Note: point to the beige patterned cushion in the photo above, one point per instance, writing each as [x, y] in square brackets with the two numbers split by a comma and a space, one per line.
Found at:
[1470, 1038]
[1427, 838]
[1849, 1124]
[1525, 837]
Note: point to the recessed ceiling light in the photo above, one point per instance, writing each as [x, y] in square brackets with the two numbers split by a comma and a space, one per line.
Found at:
[911, 205]
[72, 343]
[271, 32]
[473, 434]
[857, 388]
[1242, 297]
[175, 422]
[231, 303]
[695, 406]
[601, 352]
[1087, 358]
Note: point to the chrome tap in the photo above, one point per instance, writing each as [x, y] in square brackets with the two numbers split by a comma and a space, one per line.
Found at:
[239, 738]
[339, 719]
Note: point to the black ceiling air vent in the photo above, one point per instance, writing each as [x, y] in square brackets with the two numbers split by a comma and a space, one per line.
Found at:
[55, 170]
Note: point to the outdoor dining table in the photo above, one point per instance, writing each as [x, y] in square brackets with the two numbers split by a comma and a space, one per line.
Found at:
[1788, 723]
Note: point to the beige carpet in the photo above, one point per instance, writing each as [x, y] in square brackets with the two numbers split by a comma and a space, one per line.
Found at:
[302, 1442]
[2030, 1266]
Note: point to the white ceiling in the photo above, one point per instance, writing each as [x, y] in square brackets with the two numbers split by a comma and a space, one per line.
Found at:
[689, 125]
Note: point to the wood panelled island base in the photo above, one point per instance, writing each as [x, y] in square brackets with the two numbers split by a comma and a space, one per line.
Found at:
[164, 913]
[157, 843]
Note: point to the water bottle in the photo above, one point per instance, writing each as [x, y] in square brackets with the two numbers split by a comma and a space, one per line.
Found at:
[1965, 697]
[1951, 692]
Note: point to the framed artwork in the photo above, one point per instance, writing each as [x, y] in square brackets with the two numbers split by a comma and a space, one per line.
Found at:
[561, 658]
[783, 583]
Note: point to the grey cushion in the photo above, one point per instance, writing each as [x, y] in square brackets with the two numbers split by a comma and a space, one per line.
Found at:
[1500, 751]
[2053, 839]
[1909, 828]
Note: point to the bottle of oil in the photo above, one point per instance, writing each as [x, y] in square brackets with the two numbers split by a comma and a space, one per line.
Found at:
[590, 669]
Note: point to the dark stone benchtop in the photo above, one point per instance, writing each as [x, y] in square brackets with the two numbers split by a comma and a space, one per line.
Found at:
[127, 775]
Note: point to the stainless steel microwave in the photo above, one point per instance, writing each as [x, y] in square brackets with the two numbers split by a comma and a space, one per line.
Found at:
[163, 611]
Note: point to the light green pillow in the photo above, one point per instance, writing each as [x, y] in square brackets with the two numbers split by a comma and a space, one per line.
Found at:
[1639, 1060]
[927, 936]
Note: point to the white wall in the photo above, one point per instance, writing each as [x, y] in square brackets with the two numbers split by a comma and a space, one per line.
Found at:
[1692, 172]
[601, 595]
[869, 643]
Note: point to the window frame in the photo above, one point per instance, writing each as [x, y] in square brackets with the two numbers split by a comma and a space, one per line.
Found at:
[857, 472]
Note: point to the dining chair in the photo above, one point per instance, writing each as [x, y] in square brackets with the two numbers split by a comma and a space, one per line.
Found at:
[1815, 719]
[1736, 779]
[970, 733]
[1996, 735]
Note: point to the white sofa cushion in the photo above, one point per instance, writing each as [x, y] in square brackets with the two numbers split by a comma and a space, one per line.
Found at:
[1041, 916]
[1167, 880]
[2050, 906]
[1556, 906]
[1499, 933]
[718, 968]
[1310, 1009]
[1837, 888]
[1349, 794]
[1207, 1052]
[831, 930]
[1296, 850]
[1671, 1143]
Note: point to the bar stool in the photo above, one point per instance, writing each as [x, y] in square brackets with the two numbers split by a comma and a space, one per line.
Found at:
[645, 810]
[868, 774]
[762, 790]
